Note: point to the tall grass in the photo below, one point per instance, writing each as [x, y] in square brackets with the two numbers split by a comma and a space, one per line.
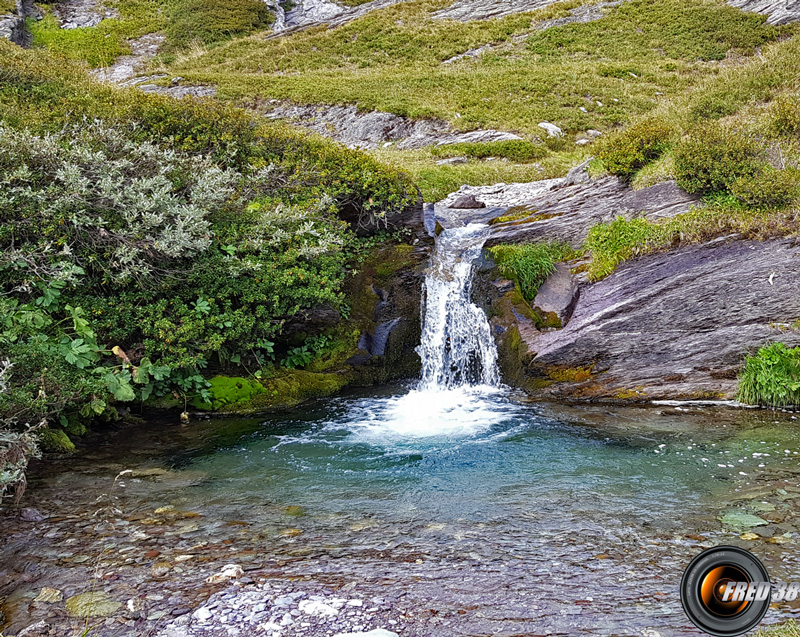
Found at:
[771, 377]
[529, 264]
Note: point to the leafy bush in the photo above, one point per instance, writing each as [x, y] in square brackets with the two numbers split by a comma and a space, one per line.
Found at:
[636, 146]
[713, 156]
[769, 188]
[784, 116]
[771, 377]
[529, 264]
[516, 150]
[210, 21]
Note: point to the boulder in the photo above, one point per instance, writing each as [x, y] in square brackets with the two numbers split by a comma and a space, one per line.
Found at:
[467, 202]
[557, 297]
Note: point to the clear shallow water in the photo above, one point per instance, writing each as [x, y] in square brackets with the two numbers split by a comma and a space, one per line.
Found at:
[506, 517]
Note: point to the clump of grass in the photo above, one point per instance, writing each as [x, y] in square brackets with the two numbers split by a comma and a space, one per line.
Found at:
[785, 116]
[515, 150]
[714, 156]
[771, 377]
[529, 264]
[211, 21]
[769, 188]
[636, 146]
[610, 244]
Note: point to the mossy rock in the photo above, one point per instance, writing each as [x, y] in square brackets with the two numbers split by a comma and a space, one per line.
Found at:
[55, 441]
[290, 387]
[91, 604]
[228, 390]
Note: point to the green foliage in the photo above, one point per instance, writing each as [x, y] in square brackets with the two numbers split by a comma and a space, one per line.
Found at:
[634, 147]
[515, 150]
[210, 21]
[529, 264]
[142, 238]
[101, 44]
[609, 244]
[768, 188]
[391, 60]
[713, 156]
[771, 377]
[785, 116]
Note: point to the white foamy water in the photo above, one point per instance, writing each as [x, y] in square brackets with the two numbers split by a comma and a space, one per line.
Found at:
[443, 413]
[457, 348]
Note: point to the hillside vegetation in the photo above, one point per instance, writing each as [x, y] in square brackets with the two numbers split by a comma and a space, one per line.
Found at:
[143, 240]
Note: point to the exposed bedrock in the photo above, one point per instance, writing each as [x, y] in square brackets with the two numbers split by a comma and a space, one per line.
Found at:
[672, 325]
[372, 129]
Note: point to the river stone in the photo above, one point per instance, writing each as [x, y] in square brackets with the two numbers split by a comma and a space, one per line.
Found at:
[740, 521]
[556, 297]
[377, 632]
[676, 325]
[91, 604]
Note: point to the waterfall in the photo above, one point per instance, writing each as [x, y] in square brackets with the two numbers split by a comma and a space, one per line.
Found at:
[457, 348]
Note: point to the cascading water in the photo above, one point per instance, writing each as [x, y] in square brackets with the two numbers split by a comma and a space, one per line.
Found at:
[459, 392]
[457, 348]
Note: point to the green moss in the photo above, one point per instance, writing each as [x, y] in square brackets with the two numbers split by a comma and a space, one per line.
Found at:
[570, 374]
[55, 441]
[291, 387]
[228, 390]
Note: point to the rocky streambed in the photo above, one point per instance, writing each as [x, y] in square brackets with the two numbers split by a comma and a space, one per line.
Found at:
[326, 521]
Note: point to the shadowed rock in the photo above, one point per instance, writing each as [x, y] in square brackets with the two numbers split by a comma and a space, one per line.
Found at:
[557, 296]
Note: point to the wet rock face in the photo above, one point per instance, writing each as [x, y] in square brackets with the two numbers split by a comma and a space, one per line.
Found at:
[674, 325]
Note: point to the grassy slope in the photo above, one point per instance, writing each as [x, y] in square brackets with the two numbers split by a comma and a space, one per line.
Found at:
[391, 60]
[580, 76]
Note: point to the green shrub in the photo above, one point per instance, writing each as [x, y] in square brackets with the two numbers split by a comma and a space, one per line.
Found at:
[515, 150]
[770, 188]
[529, 264]
[771, 377]
[633, 148]
[210, 21]
[713, 156]
[784, 116]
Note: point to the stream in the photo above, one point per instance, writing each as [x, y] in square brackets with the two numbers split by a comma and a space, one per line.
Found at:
[452, 505]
